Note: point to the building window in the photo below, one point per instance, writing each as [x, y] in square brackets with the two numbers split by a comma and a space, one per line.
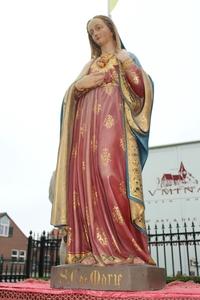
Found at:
[14, 254]
[22, 255]
[18, 255]
[4, 226]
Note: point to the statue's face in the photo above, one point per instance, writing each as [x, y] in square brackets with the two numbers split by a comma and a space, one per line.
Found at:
[100, 32]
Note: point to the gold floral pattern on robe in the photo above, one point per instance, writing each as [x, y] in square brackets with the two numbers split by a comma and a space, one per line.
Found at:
[93, 143]
[86, 233]
[94, 195]
[122, 188]
[105, 156]
[101, 236]
[82, 130]
[97, 108]
[74, 151]
[117, 216]
[72, 258]
[109, 121]
[135, 77]
[108, 88]
[122, 144]
[87, 215]
[76, 202]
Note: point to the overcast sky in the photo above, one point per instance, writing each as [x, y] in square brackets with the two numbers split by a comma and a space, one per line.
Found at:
[43, 48]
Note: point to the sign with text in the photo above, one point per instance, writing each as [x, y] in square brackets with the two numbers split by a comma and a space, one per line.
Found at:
[171, 181]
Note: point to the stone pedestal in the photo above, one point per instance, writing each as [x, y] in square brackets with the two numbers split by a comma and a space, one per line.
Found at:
[113, 278]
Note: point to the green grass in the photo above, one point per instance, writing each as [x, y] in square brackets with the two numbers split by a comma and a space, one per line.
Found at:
[183, 278]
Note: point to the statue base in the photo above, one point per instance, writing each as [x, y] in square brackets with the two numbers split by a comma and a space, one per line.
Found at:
[108, 278]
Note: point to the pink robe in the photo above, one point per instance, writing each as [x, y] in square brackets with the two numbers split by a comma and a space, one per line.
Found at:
[100, 227]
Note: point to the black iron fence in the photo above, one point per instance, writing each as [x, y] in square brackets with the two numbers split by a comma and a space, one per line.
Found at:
[11, 271]
[42, 254]
[176, 248]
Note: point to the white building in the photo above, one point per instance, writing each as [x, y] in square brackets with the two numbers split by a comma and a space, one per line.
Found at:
[171, 182]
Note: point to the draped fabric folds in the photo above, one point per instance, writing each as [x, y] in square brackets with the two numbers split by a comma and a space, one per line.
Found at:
[98, 184]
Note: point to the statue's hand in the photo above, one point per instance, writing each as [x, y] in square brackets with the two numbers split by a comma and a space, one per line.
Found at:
[90, 81]
[51, 187]
[122, 55]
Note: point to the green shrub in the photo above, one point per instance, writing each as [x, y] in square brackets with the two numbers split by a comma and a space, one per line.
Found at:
[183, 278]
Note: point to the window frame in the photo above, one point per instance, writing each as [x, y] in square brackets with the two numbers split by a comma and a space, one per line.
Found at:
[4, 226]
[21, 257]
[14, 257]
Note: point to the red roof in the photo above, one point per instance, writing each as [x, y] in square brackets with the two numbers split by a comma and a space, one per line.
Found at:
[172, 177]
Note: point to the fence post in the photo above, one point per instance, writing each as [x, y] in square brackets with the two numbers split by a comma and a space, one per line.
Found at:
[156, 243]
[187, 247]
[28, 257]
[41, 257]
[195, 248]
[1, 267]
[164, 247]
[171, 246]
[149, 237]
[179, 248]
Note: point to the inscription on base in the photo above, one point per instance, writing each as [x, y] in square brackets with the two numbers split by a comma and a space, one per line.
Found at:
[93, 278]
